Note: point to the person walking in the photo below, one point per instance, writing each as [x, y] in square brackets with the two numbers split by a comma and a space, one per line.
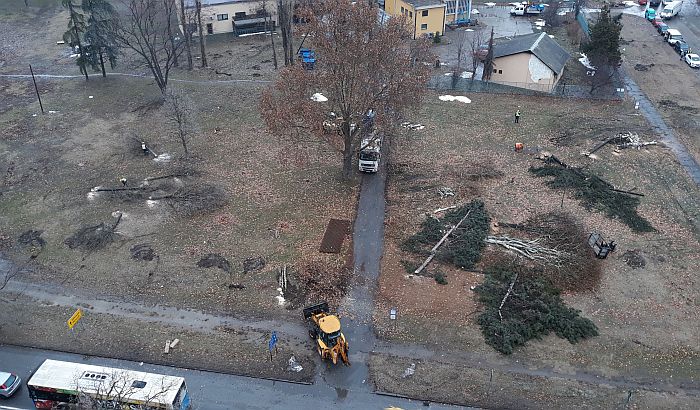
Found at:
[123, 181]
[517, 117]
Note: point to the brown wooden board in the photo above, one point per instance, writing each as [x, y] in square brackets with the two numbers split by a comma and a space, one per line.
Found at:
[335, 235]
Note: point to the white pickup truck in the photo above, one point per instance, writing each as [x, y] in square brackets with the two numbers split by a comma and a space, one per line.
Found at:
[526, 9]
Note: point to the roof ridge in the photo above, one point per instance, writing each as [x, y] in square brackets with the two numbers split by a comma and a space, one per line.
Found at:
[537, 42]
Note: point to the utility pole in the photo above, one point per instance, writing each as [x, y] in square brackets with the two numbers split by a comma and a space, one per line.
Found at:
[36, 89]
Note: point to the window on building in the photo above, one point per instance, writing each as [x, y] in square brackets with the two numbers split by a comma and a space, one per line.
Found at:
[423, 26]
[210, 28]
[410, 14]
[500, 71]
[222, 17]
[403, 11]
[495, 71]
[239, 15]
[425, 13]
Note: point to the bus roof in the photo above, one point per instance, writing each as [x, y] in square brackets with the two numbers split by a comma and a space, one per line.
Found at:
[134, 386]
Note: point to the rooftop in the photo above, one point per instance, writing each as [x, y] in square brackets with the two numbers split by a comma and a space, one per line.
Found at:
[541, 45]
[425, 3]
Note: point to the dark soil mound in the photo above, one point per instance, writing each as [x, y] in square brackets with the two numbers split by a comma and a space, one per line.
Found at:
[142, 252]
[634, 259]
[31, 238]
[253, 264]
[214, 260]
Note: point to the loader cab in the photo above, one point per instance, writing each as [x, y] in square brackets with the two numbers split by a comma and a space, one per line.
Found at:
[330, 330]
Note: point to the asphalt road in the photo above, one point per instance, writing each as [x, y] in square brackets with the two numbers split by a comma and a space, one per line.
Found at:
[356, 310]
[212, 390]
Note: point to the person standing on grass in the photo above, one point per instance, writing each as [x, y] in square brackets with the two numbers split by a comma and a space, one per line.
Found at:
[517, 117]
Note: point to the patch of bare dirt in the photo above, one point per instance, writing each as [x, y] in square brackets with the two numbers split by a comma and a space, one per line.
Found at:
[214, 260]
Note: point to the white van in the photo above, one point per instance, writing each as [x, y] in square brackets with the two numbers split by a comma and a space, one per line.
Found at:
[671, 9]
[673, 36]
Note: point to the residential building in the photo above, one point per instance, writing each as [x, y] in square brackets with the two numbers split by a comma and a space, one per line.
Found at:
[230, 16]
[426, 16]
[534, 61]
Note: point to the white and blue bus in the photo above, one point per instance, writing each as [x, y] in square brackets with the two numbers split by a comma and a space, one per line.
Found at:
[64, 385]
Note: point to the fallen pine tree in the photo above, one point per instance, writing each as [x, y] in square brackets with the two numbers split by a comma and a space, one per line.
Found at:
[519, 308]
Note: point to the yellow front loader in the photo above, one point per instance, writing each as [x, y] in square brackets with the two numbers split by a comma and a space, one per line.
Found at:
[324, 329]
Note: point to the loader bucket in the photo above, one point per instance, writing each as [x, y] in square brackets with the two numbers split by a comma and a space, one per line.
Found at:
[315, 309]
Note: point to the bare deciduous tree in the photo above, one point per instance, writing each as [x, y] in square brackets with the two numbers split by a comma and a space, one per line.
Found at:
[170, 4]
[363, 65]
[285, 13]
[200, 30]
[179, 111]
[269, 25]
[145, 29]
[478, 54]
[187, 19]
[461, 40]
[551, 14]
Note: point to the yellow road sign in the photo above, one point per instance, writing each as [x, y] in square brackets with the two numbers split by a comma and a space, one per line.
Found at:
[74, 319]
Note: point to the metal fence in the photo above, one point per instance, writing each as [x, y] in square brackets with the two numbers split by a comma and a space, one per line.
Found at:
[581, 18]
[446, 83]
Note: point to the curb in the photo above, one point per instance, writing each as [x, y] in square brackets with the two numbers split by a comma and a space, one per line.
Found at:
[199, 369]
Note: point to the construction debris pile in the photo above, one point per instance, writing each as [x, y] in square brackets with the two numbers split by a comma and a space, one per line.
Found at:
[622, 141]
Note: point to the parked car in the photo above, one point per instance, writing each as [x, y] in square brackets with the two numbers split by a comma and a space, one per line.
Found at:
[681, 47]
[673, 36]
[654, 3]
[662, 28]
[692, 60]
[650, 14]
[657, 21]
[9, 383]
[642, 2]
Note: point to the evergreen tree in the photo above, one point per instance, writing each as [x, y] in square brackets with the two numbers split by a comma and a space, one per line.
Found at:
[603, 48]
[76, 29]
[99, 34]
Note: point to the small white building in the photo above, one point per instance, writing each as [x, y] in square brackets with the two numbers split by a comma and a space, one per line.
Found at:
[230, 16]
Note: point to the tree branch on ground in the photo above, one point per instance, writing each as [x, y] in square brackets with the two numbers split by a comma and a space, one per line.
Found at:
[530, 249]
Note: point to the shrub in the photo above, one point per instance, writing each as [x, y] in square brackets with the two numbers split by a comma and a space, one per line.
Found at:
[440, 278]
